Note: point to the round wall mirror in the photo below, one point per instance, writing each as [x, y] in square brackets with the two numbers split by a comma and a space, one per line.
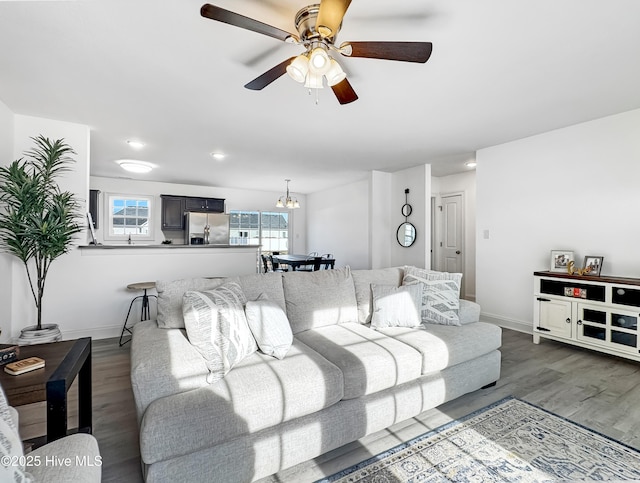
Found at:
[406, 234]
[406, 209]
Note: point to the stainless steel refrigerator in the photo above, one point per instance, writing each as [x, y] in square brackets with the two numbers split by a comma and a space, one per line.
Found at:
[206, 229]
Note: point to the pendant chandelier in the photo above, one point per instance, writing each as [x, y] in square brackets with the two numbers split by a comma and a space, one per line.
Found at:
[287, 201]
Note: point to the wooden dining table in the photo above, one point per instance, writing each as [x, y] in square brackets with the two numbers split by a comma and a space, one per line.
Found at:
[297, 261]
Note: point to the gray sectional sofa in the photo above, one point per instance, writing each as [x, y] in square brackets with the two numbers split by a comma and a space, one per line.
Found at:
[340, 380]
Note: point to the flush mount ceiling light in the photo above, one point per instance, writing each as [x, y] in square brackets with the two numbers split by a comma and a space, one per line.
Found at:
[318, 26]
[287, 201]
[217, 155]
[135, 144]
[135, 166]
[470, 164]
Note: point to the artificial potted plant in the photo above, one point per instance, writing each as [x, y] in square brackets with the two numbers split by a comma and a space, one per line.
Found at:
[38, 220]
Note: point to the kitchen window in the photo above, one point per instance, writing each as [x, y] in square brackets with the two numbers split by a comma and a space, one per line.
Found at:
[129, 217]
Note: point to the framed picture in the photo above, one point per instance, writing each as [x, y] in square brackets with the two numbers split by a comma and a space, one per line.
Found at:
[595, 263]
[560, 259]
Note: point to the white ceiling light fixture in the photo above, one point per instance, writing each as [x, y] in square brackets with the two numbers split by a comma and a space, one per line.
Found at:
[298, 68]
[218, 156]
[470, 164]
[335, 74]
[135, 144]
[287, 201]
[135, 166]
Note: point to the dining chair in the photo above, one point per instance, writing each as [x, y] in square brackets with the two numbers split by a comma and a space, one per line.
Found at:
[275, 266]
[327, 256]
[265, 263]
[311, 266]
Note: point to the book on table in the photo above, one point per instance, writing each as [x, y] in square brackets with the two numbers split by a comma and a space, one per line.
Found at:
[24, 365]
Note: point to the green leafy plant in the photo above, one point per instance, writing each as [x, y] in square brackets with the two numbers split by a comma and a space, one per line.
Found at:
[38, 221]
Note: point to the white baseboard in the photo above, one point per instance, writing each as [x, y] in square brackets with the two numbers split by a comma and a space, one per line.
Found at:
[519, 325]
[93, 332]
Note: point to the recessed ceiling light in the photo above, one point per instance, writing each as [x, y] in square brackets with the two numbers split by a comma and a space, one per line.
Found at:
[135, 144]
[135, 166]
[217, 155]
[470, 164]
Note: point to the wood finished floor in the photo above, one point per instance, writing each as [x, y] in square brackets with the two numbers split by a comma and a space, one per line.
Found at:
[595, 390]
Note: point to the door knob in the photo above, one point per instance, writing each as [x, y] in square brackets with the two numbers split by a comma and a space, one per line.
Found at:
[458, 252]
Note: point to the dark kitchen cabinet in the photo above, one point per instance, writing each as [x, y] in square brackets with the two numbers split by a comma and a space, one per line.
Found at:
[173, 208]
[211, 205]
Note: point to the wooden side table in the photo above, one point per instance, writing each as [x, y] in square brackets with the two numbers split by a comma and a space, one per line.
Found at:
[63, 362]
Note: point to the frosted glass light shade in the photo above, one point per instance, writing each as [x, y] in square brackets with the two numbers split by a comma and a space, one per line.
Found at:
[314, 81]
[298, 68]
[335, 74]
[319, 61]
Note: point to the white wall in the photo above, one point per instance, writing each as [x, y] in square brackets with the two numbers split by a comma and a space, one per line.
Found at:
[340, 223]
[464, 183]
[418, 180]
[6, 261]
[236, 199]
[381, 234]
[363, 229]
[572, 189]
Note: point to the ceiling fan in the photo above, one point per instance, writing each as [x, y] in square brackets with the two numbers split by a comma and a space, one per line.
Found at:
[318, 25]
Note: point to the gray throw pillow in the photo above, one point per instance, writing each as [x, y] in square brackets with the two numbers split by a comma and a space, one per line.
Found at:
[217, 327]
[440, 294]
[269, 326]
[396, 306]
[170, 294]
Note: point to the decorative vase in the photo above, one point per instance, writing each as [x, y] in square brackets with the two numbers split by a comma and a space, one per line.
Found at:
[32, 335]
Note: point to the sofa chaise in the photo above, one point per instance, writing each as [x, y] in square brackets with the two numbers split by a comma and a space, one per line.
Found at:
[346, 374]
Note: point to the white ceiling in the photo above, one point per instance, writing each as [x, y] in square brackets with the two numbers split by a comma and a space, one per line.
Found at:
[159, 72]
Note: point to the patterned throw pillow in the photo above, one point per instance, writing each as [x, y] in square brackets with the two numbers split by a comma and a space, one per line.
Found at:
[11, 456]
[396, 306]
[217, 327]
[269, 326]
[440, 294]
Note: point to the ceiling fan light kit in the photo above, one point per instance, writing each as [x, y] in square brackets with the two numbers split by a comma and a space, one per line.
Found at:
[317, 26]
[298, 68]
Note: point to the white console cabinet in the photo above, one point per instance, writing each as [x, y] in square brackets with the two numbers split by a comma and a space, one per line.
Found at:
[599, 313]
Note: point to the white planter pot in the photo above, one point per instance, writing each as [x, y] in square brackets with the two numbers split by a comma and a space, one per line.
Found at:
[31, 335]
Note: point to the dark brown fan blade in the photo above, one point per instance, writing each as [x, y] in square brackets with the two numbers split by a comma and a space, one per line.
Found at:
[330, 17]
[403, 51]
[344, 92]
[269, 76]
[232, 18]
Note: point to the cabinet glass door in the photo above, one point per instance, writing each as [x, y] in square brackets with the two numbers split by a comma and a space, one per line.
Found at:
[606, 327]
[592, 324]
[624, 329]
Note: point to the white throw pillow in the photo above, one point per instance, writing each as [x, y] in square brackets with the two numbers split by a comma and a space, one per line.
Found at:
[217, 326]
[396, 306]
[440, 294]
[12, 468]
[270, 326]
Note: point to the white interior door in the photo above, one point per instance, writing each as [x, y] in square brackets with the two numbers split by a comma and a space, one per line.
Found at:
[452, 235]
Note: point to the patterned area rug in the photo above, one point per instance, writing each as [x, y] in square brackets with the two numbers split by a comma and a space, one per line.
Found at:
[510, 440]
